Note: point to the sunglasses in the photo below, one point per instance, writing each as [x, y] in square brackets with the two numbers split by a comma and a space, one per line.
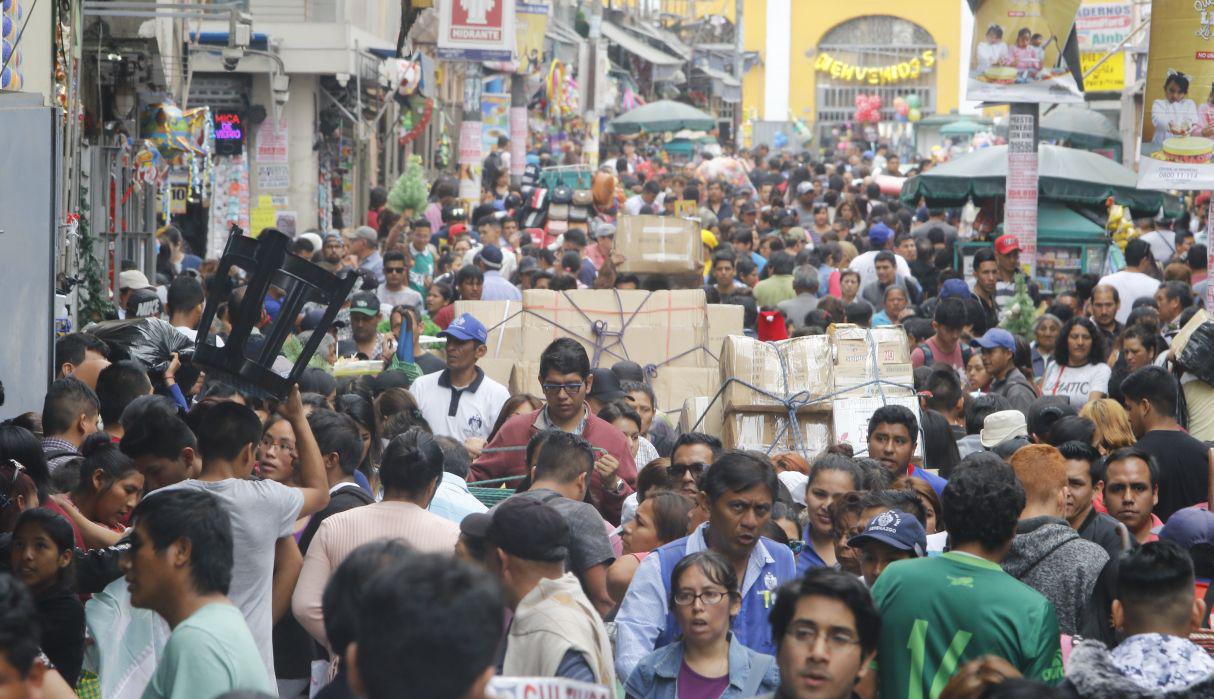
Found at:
[796, 546]
[571, 388]
[394, 270]
[696, 469]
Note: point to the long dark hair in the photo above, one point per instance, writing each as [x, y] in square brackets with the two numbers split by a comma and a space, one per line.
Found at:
[59, 531]
[363, 413]
[512, 403]
[21, 445]
[1062, 350]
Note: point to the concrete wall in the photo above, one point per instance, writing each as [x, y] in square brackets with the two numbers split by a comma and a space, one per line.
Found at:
[300, 114]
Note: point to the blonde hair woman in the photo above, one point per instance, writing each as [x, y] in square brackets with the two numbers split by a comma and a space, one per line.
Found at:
[1113, 429]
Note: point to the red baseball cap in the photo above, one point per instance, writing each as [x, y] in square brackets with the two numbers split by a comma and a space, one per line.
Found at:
[1006, 244]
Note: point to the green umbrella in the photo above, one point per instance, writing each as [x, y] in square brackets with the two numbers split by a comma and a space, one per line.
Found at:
[965, 127]
[1079, 125]
[1066, 175]
[662, 116]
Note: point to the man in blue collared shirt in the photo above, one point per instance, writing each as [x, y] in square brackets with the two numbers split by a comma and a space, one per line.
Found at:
[738, 491]
[452, 500]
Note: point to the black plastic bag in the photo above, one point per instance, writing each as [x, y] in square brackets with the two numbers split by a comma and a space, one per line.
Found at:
[1195, 357]
[151, 341]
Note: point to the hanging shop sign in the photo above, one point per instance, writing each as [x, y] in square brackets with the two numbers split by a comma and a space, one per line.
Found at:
[1018, 52]
[229, 133]
[476, 30]
[877, 75]
[1178, 127]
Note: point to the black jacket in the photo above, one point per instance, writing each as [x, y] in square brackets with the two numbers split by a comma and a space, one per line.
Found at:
[346, 498]
[61, 618]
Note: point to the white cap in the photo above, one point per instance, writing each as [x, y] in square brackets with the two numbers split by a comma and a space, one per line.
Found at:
[133, 279]
[313, 240]
[795, 481]
[1002, 426]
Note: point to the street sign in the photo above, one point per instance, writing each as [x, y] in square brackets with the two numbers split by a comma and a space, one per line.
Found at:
[476, 30]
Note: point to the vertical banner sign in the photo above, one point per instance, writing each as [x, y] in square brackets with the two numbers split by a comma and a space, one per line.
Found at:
[1020, 211]
[476, 30]
[518, 141]
[470, 161]
[532, 23]
[495, 119]
[1178, 118]
[1017, 54]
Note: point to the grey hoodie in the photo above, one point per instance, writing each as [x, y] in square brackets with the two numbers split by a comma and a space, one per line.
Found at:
[1050, 557]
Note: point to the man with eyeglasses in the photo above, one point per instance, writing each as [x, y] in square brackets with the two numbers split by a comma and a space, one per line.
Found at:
[565, 379]
[395, 290]
[738, 492]
[692, 453]
[826, 631]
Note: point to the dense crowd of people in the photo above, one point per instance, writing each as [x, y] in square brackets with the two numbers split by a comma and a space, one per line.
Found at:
[1038, 528]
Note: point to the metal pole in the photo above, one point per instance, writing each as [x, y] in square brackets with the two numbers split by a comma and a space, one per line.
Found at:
[739, 65]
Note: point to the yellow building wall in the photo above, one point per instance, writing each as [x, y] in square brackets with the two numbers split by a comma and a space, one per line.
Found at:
[811, 19]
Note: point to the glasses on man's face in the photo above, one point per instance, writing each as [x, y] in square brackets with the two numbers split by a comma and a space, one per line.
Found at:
[394, 270]
[555, 388]
[807, 634]
[696, 469]
[686, 598]
[281, 445]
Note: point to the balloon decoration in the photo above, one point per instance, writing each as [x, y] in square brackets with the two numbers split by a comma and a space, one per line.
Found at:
[419, 110]
[868, 109]
[914, 115]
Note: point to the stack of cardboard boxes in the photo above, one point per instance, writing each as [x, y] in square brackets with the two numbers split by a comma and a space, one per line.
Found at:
[827, 379]
[676, 332]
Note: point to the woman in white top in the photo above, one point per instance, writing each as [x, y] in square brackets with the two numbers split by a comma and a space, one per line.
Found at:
[992, 52]
[1176, 115]
[1078, 370]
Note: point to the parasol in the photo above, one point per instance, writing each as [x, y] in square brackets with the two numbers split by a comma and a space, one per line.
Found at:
[662, 116]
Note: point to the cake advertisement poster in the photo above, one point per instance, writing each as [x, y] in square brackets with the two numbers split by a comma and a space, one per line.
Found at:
[1017, 52]
[1178, 118]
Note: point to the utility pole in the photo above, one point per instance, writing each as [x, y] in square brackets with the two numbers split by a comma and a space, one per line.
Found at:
[590, 153]
[739, 66]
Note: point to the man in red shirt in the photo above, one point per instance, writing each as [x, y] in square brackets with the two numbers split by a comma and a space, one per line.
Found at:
[566, 380]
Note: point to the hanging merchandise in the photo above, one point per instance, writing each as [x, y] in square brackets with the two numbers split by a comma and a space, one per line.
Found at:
[229, 202]
[150, 166]
[411, 189]
[415, 118]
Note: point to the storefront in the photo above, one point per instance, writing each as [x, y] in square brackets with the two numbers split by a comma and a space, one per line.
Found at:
[817, 57]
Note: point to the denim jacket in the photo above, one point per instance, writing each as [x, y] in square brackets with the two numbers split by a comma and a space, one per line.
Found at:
[656, 676]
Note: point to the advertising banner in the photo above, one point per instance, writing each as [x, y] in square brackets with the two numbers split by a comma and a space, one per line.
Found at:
[532, 19]
[495, 119]
[1102, 26]
[1020, 211]
[1017, 54]
[1108, 76]
[476, 30]
[1178, 122]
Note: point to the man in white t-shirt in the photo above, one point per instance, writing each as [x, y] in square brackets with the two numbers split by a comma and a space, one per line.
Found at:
[263, 512]
[461, 402]
[1134, 281]
[1162, 241]
[879, 237]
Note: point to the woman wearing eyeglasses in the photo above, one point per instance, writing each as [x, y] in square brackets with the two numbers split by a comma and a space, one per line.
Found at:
[707, 662]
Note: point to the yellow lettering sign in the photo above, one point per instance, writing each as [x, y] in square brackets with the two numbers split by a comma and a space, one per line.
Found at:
[876, 75]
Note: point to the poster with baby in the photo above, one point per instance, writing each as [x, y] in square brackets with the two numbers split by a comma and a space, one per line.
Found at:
[1178, 121]
[1017, 52]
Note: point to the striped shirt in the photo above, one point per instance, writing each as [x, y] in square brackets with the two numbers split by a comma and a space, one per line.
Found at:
[341, 533]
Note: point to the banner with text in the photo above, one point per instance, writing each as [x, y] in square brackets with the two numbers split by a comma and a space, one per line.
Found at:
[1020, 210]
[476, 30]
[1102, 26]
[1017, 54]
[1178, 125]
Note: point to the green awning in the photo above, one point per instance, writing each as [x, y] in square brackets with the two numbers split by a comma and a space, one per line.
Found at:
[1058, 223]
[1066, 175]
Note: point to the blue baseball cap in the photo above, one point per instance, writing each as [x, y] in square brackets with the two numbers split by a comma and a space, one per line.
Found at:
[466, 327]
[879, 234]
[995, 337]
[1189, 526]
[894, 528]
[955, 288]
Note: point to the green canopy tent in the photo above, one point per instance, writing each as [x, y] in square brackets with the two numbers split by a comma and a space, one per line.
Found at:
[1066, 175]
[1080, 127]
[965, 127]
[662, 116]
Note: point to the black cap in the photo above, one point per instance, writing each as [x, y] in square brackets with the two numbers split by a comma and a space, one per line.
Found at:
[524, 527]
[606, 386]
[627, 371]
[1045, 411]
[365, 303]
[143, 303]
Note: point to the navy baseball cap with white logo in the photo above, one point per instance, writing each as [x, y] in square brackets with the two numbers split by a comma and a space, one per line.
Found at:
[895, 528]
[466, 327]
